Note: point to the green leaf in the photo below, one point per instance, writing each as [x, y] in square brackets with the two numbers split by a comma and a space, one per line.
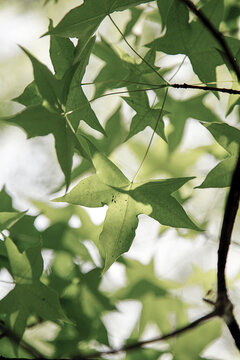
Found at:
[62, 53]
[5, 201]
[145, 115]
[109, 186]
[45, 81]
[29, 294]
[77, 104]
[221, 175]
[180, 111]
[130, 74]
[8, 219]
[192, 39]
[229, 138]
[30, 96]
[24, 234]
[83, 21]
[26, 267]
[189, 345]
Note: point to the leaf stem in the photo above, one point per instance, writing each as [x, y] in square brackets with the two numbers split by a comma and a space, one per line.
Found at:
[151, 140]
[135, 52]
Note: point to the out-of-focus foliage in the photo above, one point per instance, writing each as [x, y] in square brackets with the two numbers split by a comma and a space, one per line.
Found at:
[149, 126]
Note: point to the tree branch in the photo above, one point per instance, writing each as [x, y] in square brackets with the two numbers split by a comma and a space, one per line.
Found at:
[227, 227]
[224, 306]
[140, 344]
[24, 345]
[216, 34]
[205, 88]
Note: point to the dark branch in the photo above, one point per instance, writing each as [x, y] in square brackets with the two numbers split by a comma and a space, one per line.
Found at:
[205, 88]
[224, 306]
[24, 345]
[140, 344]
[227, 227]
[216, 34]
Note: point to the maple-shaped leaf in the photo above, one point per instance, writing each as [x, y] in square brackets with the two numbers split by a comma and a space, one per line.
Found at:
[143, 285]
[29, 294]
[48, 85]
[192, 38]
[30, 96]
[77, 105]
[125, 202]
[130, 74]
[82, 21]
[62, 53]
[229, 138]
[190, 344]
[8, 215]
[180, 111]
[145, 115]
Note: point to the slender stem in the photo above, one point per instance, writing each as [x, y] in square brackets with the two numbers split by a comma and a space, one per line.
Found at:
[155, 87]
[152, 136]
[135, 52]
[140, 344]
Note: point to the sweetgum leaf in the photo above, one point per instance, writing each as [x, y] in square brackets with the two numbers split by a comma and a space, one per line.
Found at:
[190, 344]
[145, 115]
[180, 111]
[61, 53]
[83, 21]
[29, 294]
[229, 138]
[125, 202]
[30, 96]
[77, 104]
[130, 74]
[45, 81]
[192, 39]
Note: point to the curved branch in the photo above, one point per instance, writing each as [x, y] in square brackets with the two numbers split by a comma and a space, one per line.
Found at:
[24, 345]
[224, 306]
[140, 344]
[227, 227]
[216, 34]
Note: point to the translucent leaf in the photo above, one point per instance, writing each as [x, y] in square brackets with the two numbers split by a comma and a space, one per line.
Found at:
[124, 205]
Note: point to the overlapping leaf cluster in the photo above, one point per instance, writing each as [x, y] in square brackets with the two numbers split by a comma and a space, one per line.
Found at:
[69, 292]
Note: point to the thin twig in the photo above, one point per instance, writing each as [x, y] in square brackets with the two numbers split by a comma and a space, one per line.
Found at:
[224, 306]
[24, 345]
[205, 88]
[135, 52]
[140, 344]
[216, 34]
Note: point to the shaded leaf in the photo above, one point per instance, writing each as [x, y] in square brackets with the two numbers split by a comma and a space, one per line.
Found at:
[125, 202]
[145, 115]
[45, 81]
[229, 138]
[192, 39]
[83, 21]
